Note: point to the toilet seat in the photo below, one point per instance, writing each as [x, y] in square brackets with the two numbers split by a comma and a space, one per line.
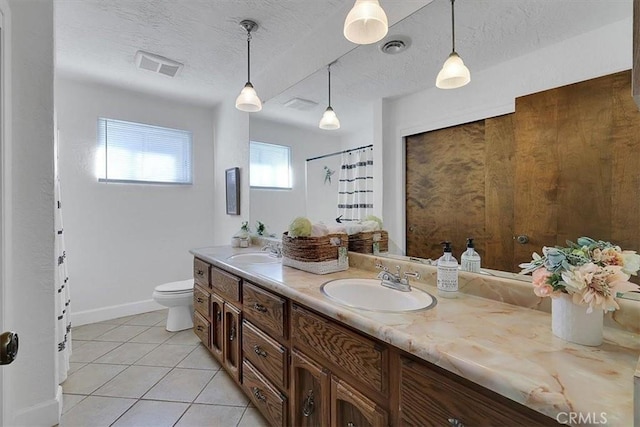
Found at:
[180, 287]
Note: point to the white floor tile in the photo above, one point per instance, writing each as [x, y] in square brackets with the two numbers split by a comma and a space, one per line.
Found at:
[96, 411]
[200, 358]
[126, 354]
[222, 391]
[180, 385]
[132, 382]
[89, 378]
[90, 332]
[210, 415]
[148, 319]
[184, 337]
[166, 355]
[91, 351]
[152, 413]
[153, 335]
[252, 418]
[122, 333]
[71, 400]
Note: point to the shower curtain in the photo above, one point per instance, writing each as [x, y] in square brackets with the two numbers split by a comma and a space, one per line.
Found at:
[355, 189]
[61, 282]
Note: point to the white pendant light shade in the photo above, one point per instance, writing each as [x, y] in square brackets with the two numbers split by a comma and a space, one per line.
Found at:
[366, 23]
[329, 120]
[248, 99]
[454, 73]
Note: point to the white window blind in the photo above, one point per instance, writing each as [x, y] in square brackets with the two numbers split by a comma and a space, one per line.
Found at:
[270, 165]
[140, 153]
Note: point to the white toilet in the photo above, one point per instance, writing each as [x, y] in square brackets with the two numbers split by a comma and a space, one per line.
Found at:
[178, 296]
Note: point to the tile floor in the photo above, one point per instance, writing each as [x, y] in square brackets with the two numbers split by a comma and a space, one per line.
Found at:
[132, 372]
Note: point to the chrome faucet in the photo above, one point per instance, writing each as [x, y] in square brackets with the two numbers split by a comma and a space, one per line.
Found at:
[396, 281]
[275, 250]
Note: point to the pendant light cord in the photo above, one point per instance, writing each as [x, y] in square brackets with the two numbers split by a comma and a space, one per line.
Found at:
[329, 71]
[248, 56]
[453, 28]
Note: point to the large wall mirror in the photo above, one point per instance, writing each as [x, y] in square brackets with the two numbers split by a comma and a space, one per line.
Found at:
[513, 48]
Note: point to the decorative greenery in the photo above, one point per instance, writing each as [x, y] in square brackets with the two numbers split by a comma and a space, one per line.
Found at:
[260, 228]
[592, 271]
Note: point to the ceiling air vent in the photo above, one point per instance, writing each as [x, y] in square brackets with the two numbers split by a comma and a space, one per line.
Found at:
[301, 104]
[157, 63]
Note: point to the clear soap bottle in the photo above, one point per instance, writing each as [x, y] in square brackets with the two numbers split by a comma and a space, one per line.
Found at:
[447, 267]
[470, 260]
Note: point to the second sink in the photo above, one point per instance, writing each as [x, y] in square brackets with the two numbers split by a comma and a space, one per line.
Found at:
[369, 294]
[254, 258]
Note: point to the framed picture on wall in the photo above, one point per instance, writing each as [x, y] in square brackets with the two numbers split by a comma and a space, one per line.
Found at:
[232, 180]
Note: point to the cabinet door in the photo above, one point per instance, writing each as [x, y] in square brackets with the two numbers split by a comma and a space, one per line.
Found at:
[232, 342]
[217, 317]
[352, 409]
[310, 390]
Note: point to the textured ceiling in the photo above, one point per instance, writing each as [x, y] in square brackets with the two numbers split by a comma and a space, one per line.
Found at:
[97, 40]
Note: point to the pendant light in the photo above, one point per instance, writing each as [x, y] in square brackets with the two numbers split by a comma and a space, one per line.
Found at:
[454, 73]
[366, 22]
[248, 99]
[329, 120]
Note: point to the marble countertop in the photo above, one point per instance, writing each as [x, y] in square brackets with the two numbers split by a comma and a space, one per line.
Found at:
[504, 347]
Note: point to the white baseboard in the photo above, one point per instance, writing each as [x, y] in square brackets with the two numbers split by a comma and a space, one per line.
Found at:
[44, 414]
[113, 312]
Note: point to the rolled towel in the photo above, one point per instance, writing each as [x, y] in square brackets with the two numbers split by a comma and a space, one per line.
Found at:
[370, 226]
[333, 229]
[354, 228]
[319, 230]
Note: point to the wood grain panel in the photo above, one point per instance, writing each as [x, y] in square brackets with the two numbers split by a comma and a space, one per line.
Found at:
[445, 189]
[429, 398]
[351, 408]
[352, 353]
[265, 354]
[202, 301]
[537, 174]
[201, 271]
[496, 249]
[310, 392]
[202, 328]
[232, 341]
[217, 331]
[271, 403]
[265, 309]
[584, 167]
[226, 284]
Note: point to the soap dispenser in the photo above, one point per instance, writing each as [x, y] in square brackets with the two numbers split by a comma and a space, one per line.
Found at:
[447, 273]
[470, 260]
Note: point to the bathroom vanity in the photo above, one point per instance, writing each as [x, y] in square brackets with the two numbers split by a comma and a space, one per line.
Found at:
[305, 360]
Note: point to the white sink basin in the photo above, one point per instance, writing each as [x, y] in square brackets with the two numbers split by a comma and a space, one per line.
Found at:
[369, 294]
[254, 258]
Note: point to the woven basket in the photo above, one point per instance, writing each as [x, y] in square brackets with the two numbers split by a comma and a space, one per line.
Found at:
[363, 242]
[318, 255]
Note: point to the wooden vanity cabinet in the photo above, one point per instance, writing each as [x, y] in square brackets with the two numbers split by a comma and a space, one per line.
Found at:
[310, 392]
[349, 407]
[429, 397]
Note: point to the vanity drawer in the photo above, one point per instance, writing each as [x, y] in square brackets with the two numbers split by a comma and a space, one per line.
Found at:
[269, 401]
[202, 328]
[264, 309]
[201, 273]
[226, 284]
[202, 301]
[265, 353]
[354, 354]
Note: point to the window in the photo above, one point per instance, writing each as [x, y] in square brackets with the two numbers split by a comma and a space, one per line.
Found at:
[270, 165]
[139, 153]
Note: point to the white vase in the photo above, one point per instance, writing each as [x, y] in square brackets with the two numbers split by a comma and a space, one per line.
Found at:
[571, 322]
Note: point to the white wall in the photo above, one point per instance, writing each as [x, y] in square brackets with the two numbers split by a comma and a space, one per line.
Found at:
[491, 92]
[276, 208]
[231, 149]
[125, 239]
[30, 388]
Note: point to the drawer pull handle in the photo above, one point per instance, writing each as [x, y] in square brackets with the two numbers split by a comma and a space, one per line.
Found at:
[260, 352]
[259, 307]
[200, 328]
[258, 394]
[232, 335]
[309, 405]
[200, 300]
[219, 316]
[454, 422]
[199, 272]
[350, 424]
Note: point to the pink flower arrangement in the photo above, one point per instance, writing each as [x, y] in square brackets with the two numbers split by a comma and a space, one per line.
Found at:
[591, 271]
